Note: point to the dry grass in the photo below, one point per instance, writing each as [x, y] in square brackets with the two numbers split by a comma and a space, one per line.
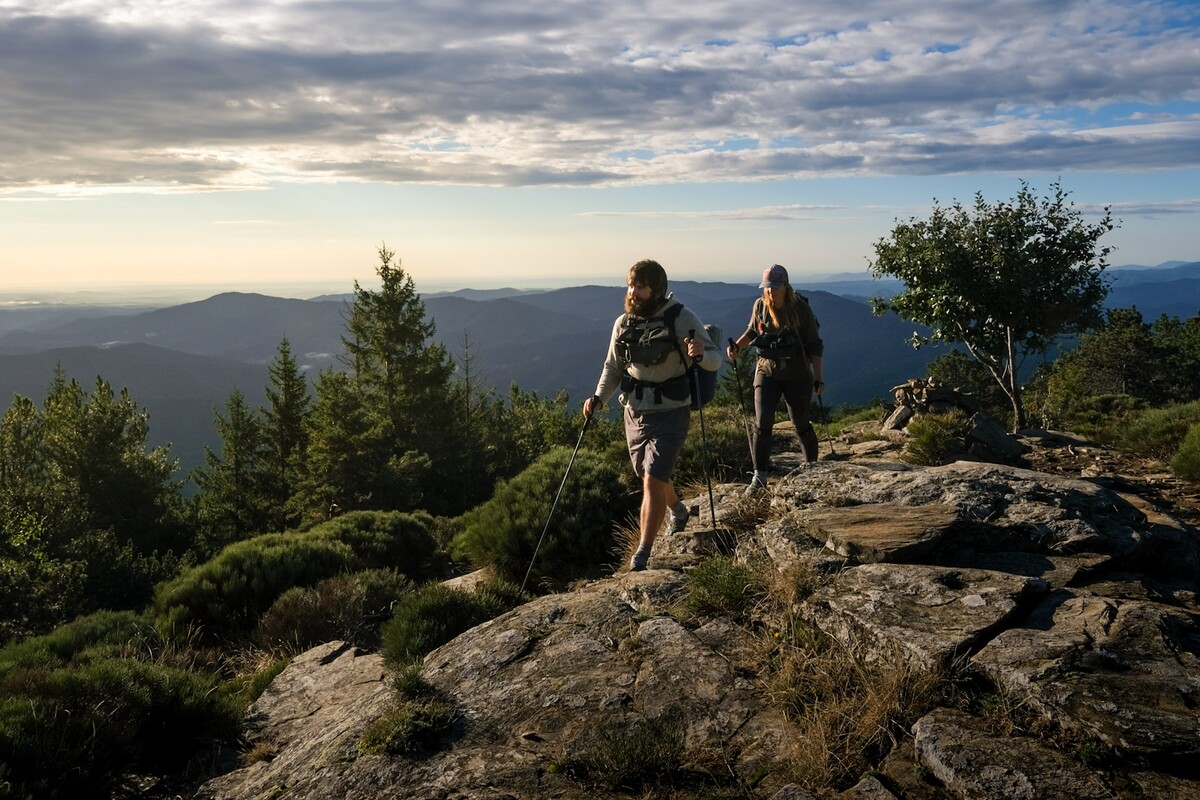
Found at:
[847, 713]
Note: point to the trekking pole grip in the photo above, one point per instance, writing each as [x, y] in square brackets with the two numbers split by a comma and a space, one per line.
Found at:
[692, 335]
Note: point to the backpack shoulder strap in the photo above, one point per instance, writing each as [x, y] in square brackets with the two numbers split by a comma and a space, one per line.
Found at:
[670, 317]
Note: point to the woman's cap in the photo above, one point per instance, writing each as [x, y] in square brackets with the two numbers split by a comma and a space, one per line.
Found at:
[774, 277]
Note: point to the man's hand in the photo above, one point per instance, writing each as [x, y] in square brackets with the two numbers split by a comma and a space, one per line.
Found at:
[589, 406]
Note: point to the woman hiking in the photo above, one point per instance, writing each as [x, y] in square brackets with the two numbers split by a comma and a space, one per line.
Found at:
[785, 333]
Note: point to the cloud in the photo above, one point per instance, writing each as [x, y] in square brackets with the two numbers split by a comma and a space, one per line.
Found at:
[200, 94]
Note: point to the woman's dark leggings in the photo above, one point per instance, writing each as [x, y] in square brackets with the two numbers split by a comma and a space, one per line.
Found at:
[797, 394]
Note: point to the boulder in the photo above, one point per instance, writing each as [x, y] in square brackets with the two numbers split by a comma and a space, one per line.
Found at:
[979, 765]
[927, 615]
[1127, 673]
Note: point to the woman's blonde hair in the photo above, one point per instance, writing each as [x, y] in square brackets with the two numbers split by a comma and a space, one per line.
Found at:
[787, 317]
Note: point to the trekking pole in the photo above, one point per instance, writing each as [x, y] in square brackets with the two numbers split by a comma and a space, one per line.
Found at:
[737, 377]
[586, 421]
[712, 505]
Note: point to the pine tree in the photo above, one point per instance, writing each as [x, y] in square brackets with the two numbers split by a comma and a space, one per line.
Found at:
[98, 457]
[401, 382]
[232, 504]
[347, 457]
[284, 436]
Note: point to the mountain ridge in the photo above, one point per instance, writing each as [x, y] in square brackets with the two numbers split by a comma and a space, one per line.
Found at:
[541, 340]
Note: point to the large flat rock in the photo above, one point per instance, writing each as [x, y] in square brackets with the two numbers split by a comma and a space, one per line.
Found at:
[928, 614]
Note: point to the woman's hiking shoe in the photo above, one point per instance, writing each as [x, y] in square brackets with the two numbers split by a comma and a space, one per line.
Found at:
[679, 519]
[757, 484]
[638, 562]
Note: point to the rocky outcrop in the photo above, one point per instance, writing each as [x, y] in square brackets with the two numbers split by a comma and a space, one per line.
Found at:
[1073, 602]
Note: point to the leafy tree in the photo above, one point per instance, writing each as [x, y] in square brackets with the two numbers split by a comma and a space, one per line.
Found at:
[1179, 344]
[1146, 364]
[1004, 280]
[1119, 358]
[957, 370]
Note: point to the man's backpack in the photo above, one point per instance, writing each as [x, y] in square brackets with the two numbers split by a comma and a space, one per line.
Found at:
[652, 342]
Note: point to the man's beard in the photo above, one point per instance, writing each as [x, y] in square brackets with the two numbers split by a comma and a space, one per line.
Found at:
[642, 308]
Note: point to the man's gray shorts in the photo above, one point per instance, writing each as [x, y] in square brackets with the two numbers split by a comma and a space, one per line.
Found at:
[655, 440]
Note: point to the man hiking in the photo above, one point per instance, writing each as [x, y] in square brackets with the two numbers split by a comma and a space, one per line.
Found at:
[653, 344]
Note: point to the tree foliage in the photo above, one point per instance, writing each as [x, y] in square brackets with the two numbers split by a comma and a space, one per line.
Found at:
[1149, 364]
[1004, 279]
[381, 433]
[88, 512]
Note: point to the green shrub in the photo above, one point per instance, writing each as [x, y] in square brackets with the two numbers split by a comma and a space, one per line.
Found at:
[433, 614]
[72, 732]
[244, 689]
[385, 539]
[631, 757]
[1186, 463]
[722, 586]
[104, 632]
[933, 438]
[37, 593]
[724, 434]
[348, 607]
[225, 596]
[1158, 432]
[1102, 414]
[411, 725]
[504, 531]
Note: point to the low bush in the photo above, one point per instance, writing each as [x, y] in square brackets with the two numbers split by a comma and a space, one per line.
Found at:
[1158, 432]
[224, 597]
[934, 438]
[349, 607]
[631, 757]
[409, 726]
[1186, 462]
[433, 614]
[72, 732]
[504, 531]
[722, 586]
[1101, 415]
[385, 539]
[97, 635]
[719, 450]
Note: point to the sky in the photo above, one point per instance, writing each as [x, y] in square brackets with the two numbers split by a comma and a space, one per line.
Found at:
[276, 145]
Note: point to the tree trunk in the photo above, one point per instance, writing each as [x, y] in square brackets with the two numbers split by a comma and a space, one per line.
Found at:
[1014, 386]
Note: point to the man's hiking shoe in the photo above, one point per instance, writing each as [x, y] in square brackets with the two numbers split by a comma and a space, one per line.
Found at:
[757, 484]
[679, 520]
[638, 562]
